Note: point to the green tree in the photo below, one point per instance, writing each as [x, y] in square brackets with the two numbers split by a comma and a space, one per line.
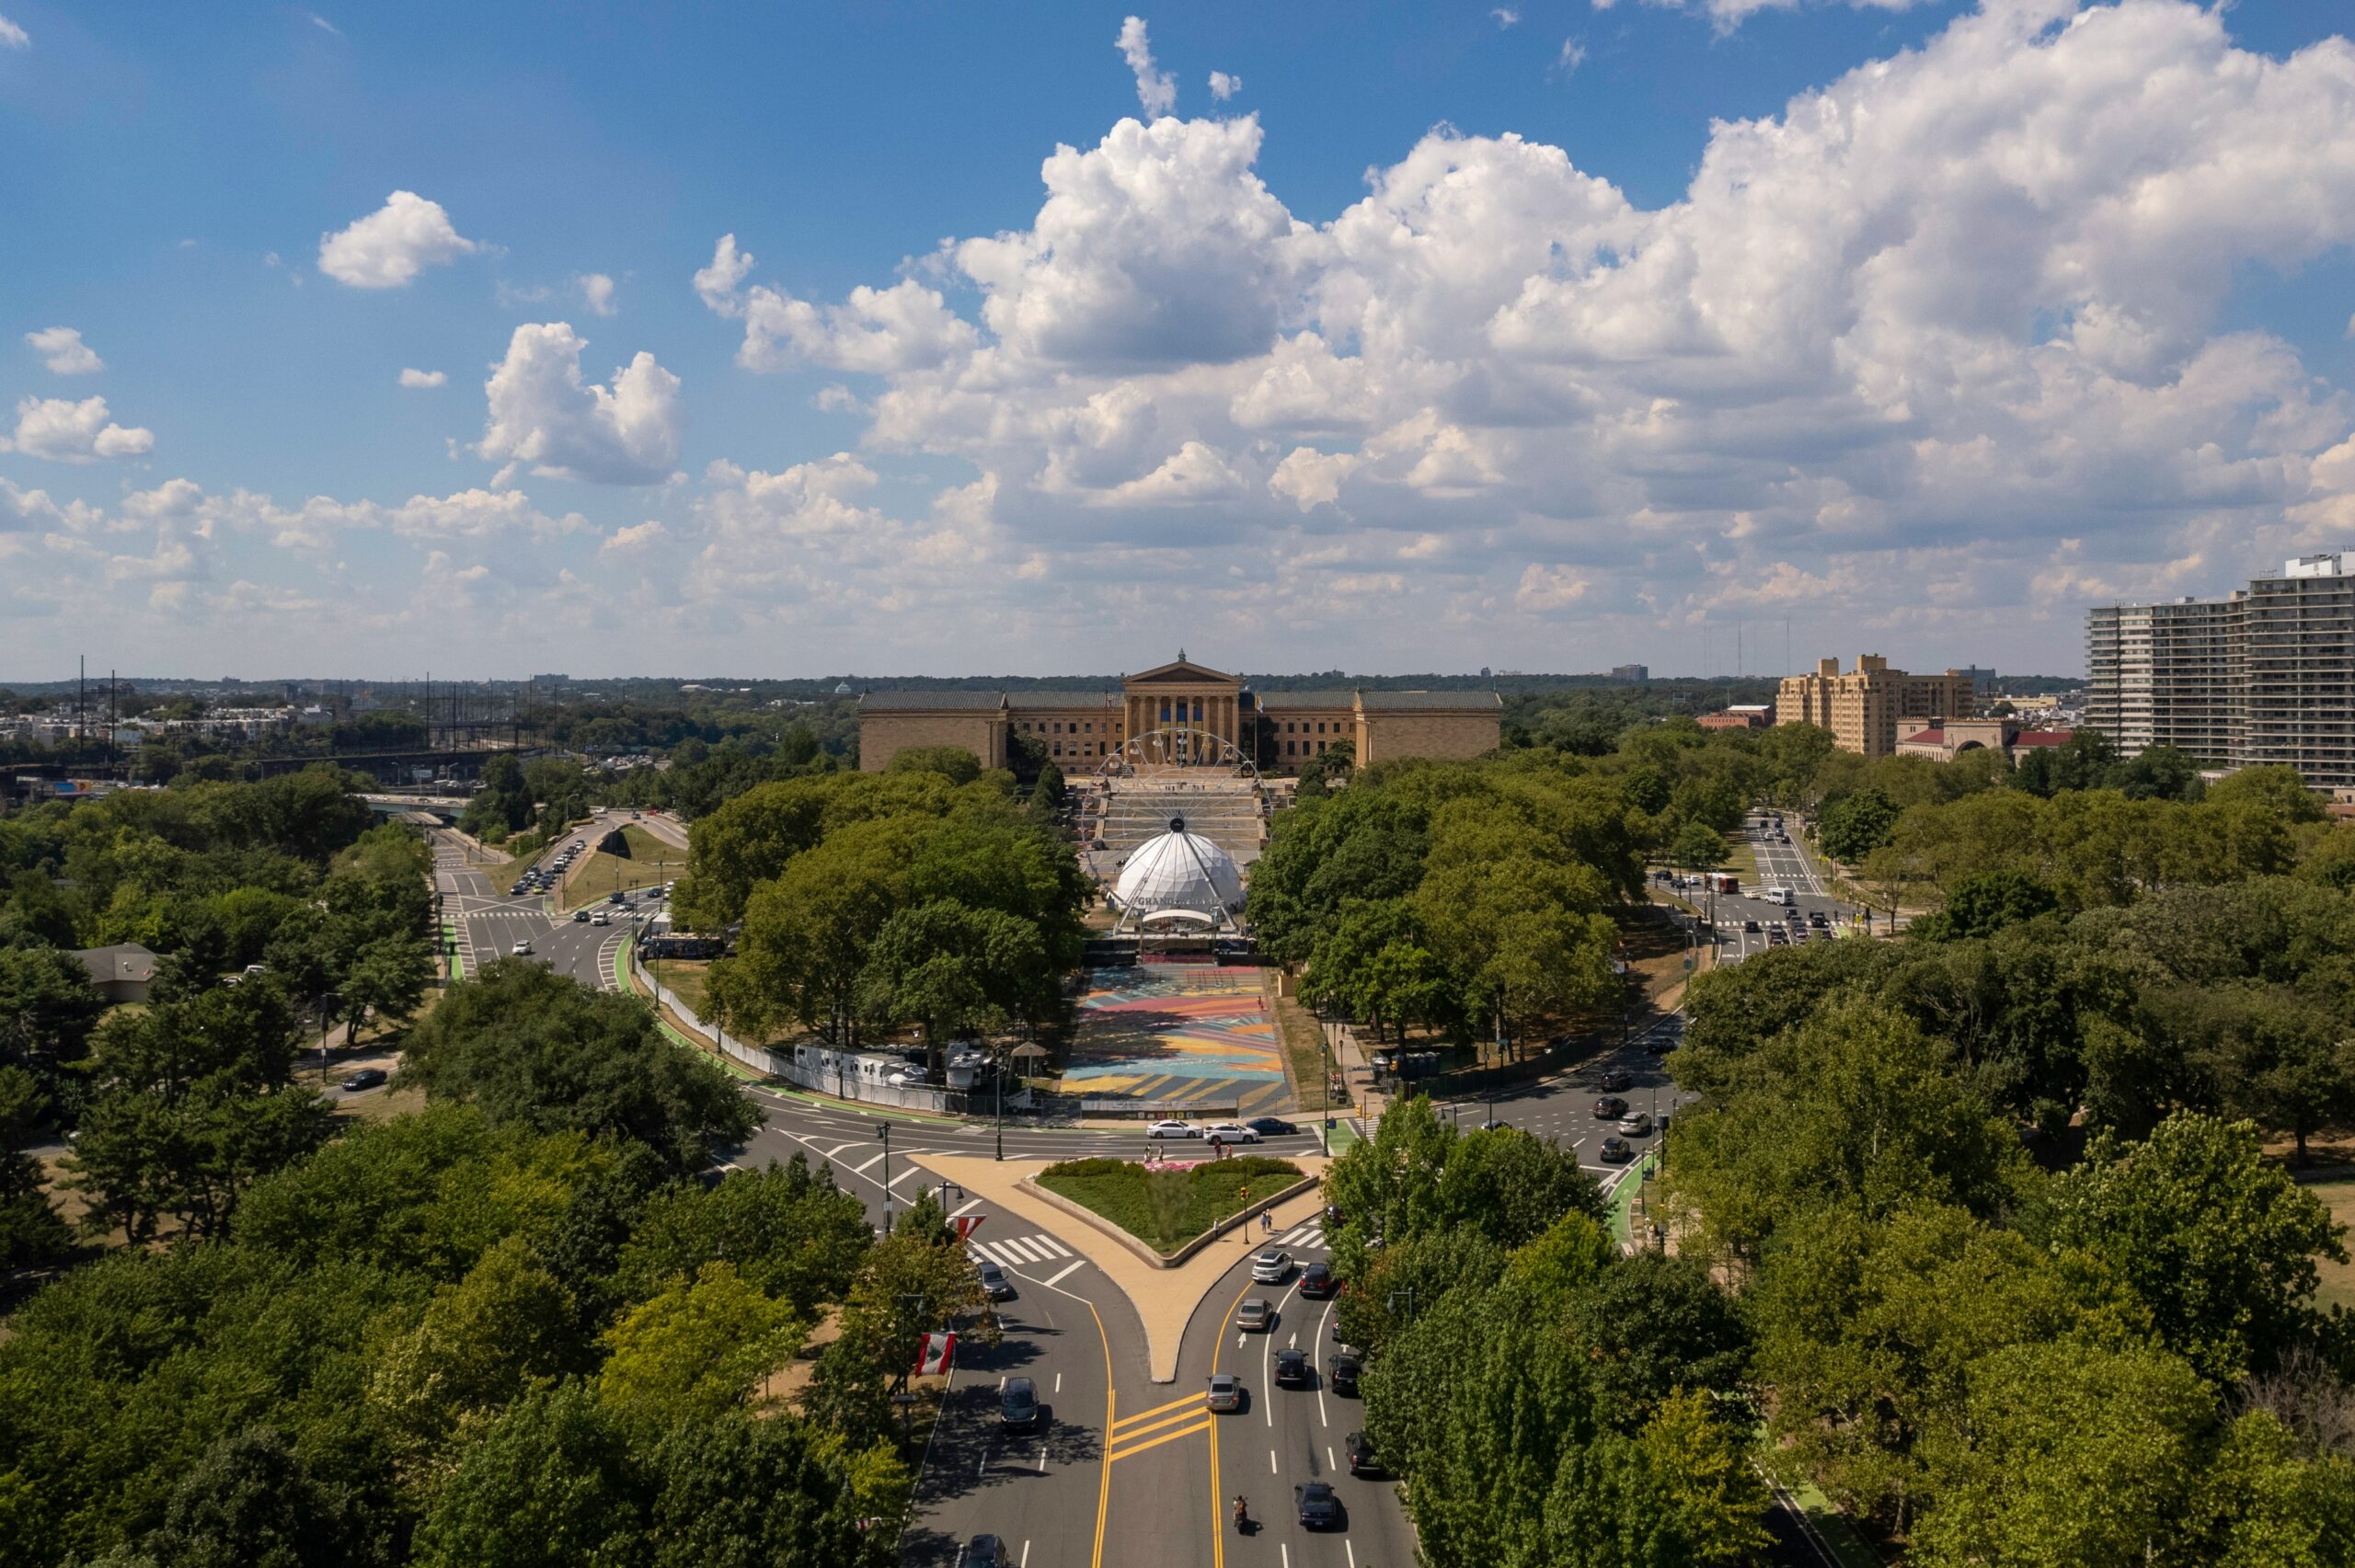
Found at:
[32, 1230]
[1657, 1323]
[2074, 1457]
[2219, 1246]
[733, 1493]
[793, 1236]
[538, 1048]
[1697, 847]
[1853, 826]
[480, 1345]
[1982, 906]
[550, 1485]
[47, 1011]
[698, 1347]
[253, 1503]
[954, 764]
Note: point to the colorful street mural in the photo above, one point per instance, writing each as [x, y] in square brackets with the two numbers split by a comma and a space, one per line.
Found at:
[1177, 1031]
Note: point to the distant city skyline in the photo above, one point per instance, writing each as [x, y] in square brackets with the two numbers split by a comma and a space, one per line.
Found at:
[947, 341]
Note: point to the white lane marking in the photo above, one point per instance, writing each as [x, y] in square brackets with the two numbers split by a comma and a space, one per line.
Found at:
[1322, 1419]
[1057, 1248]
[1042, 1459]
[873, 1161]
[1328, 1458]
[1001, 1382]
[969, 1208]
[1065, 1272]
[1025, 1555]
[1286, 1551]
[1024, 1249]
[910, 1171]
[1352, 1550]
[1271, 1462]
[987, 1250]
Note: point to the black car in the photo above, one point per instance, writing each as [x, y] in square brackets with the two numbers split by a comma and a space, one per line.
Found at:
[1316, 1281]
[983, 1551]
[1618, 1078]
[1018, 1406]
[1610, 1109]
[1317, 1507]
[1343, 1371]
[1292, 1368]
[1358, 1449]
[366, 1078]
[1750, 925]
[1271, 1126]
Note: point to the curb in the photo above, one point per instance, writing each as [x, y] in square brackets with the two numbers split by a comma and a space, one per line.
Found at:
[1144, 1253]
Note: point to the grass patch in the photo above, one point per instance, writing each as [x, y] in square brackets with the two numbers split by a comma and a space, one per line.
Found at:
[2338, 1285]
[1165, 1209]
[1304, 1040]
[598, 874]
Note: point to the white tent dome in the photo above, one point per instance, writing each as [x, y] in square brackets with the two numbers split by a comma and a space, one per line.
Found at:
[1178, 870]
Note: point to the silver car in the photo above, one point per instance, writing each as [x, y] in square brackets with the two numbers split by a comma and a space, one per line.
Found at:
[1272, 1267]
[1173, 1129]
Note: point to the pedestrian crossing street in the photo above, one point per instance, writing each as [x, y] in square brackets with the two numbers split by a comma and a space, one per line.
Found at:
[1022, 1251]
[1303, 1238]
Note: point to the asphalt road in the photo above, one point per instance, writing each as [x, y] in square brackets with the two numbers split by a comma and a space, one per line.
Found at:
[1059, 1497]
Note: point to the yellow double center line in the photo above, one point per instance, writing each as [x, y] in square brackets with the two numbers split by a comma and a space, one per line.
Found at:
[1151, 1428]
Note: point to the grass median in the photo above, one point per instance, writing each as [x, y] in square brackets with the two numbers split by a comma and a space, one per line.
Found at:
[1168, 1209]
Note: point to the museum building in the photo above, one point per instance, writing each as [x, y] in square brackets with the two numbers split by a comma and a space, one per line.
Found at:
[1180, 712]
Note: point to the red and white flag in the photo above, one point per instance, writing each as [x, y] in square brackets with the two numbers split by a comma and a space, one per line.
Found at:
[967, 1224]
[935, 1355]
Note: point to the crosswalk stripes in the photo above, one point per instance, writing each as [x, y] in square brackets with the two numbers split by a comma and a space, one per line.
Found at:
[1311, 1235]
[1022, 1251]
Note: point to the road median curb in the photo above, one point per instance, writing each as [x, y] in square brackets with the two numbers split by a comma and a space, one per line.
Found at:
[1136, 1244]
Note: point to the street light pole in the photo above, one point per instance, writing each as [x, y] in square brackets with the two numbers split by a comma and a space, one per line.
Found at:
[884, 1132]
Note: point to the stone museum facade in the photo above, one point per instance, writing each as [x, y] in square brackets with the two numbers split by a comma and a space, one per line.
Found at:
[1180, 712]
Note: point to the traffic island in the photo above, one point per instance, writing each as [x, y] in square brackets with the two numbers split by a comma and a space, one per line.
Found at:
[1163, 1292]
[1171, 1208]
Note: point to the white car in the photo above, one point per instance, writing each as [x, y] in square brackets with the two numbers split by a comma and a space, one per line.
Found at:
[1173, 1129]
[600, 917]
[1272, 1267]
[522, 947]
[1231, 1132]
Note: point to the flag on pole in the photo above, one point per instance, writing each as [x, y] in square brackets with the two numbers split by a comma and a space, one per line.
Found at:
[967, 1224]
[935, 1355]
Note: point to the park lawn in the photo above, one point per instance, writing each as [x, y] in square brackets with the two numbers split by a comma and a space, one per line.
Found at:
[1165, 1209]
[1304, 1040]
[2338, 1285]
[598, 874]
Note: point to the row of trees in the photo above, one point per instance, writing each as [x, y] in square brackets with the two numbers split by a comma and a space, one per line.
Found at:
[511, 1328]
[1454, 897]
[177, 1107]
[2116, 1364]
[1545, 1400]
[924, 894]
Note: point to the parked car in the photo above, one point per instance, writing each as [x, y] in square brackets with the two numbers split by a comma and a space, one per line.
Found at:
[1271, 1126]
[1359, 1448]
[1292, 1368]
[1616, 1079]
[1230, 1132]
[1639, 1124]
[1225, 1395]
[1615, 1150]
[1271, 1266]
[1173, 1129]
[1317, 1507]
[1342, 1372]
[366, 1078]
[1316, 1281]
[1018, 1406]
[1610, 1109]
[994, 1284]
[1255, 1316]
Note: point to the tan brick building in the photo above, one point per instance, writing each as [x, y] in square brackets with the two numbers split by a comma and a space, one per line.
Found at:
[1870, 708]
[1180, 712]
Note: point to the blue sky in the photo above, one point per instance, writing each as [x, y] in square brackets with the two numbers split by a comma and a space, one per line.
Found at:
[1542, 338]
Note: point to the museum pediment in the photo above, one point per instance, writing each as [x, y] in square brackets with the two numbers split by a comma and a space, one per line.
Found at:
[1181, 672]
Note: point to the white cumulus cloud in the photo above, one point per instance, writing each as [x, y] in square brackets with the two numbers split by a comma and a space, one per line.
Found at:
[416, 378]
[597, 293]
[543, 416]
[718, 285]
[14, 37]
[1506, 16]
[62, 350]
[66, 431]
[1223, 87]
[388, 247]
[1157, 89]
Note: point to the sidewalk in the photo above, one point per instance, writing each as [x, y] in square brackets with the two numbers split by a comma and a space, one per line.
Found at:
[1164, 1298]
